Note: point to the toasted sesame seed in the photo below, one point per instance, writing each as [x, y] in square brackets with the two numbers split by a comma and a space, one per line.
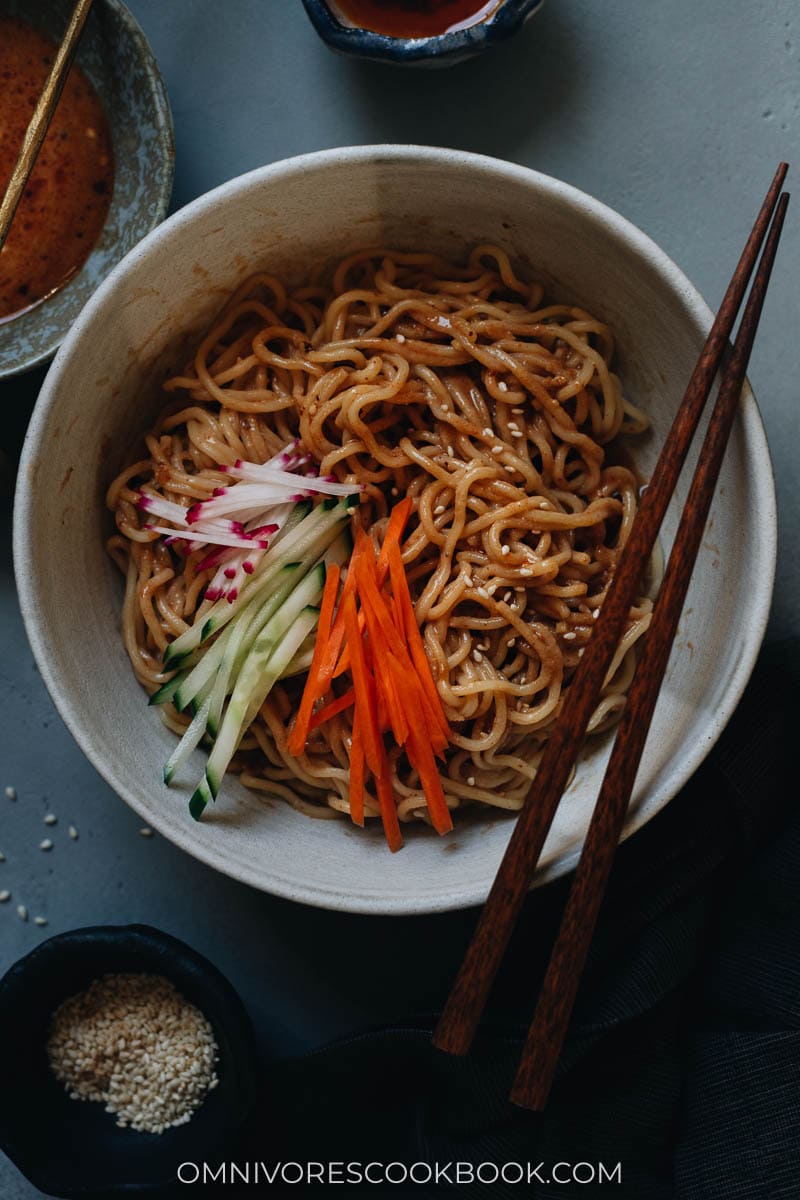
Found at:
[4, 896]
[73, 833]
[518, 410]
[134, 1044]
[517, 433]
[46, 844]
[508, 597]
[511, 641]
[513, 425]
[502, 386]
[11, 793]
[400, 337]
[505, 549]
[596, 613]
[50, 819]
[497, 449]
[471, 781]
[394, 492]
[450, 451]
[146, 831]
[509, 470]
[477, 656]
[482, 592]
[526, 570]
[570, 637]
[40, 920]
[440, 508]
[492, 588]
[487, 432]
[22, 912]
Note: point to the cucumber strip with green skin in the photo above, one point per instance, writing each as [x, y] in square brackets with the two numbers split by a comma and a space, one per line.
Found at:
[190, 740]
[302, 659]
[200, 798]
[266, 670]
[232, 730]
[168, 689]
[306, 552]
[338, 553]
[300, 511]
[195, 679]
[256, 678]
[309, 537]
[245, 631]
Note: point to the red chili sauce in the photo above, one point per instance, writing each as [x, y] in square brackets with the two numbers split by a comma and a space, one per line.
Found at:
[64, 206]
[415, 18]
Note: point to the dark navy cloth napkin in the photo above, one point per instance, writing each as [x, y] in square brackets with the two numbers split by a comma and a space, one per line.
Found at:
[683, 1060]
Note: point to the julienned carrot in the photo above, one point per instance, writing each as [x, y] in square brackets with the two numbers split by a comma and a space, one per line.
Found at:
[327, 667]
[414, 638]
[365, 700]
[362, 549]
[421, 758]
[393, 689]
[387, 679]
[386, 801]
[299, 734]
[374, 604]
[333, 709]
[357, 775]
[394, 533]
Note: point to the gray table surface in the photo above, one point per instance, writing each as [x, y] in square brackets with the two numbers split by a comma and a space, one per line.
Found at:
[675, 114]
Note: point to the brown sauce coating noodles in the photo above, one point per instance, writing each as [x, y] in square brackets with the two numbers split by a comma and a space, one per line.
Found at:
[459, 386]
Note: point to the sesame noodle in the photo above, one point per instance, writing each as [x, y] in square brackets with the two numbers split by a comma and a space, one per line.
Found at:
[460, 387]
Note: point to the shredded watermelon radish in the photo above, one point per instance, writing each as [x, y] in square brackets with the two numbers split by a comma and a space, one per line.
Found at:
[238, 522]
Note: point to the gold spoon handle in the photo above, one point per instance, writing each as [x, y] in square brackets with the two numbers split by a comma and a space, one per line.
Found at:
[42, 115]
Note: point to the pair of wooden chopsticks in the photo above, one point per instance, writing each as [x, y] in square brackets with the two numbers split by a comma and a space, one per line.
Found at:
[462, 1012]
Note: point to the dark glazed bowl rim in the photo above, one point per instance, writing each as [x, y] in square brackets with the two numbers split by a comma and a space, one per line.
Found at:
[138, 949]
[365, 43]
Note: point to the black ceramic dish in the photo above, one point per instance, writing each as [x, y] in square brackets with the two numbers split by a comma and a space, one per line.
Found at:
[74, 1148]
[439, 51]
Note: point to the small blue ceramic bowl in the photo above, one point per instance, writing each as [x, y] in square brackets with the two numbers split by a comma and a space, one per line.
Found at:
[114, 54]
[441, 51]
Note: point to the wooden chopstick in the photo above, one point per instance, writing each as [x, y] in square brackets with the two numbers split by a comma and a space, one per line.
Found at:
[42, 115]
[557, 997]
[465, 1004]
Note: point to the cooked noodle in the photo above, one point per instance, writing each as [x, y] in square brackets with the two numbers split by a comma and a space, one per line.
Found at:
[458, 386]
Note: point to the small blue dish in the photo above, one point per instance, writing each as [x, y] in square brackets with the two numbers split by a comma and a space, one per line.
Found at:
[75, 1149]
[440, 51]
[114, 54]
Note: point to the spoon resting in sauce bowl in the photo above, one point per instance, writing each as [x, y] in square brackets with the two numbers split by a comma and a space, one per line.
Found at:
[56, 163]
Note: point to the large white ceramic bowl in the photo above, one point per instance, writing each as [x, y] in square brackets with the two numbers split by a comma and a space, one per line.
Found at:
[103, 390]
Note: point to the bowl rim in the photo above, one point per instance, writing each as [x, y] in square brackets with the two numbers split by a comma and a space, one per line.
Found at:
[162, 190]
[752, 633]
